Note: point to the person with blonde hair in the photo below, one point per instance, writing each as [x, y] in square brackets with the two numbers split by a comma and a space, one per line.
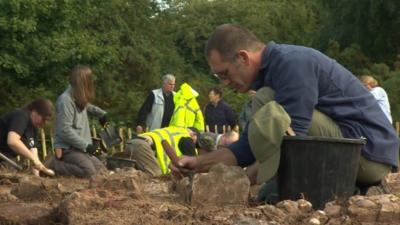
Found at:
[73, 142]
[379, 93]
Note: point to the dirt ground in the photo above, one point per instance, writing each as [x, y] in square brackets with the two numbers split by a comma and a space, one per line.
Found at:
[130, 197]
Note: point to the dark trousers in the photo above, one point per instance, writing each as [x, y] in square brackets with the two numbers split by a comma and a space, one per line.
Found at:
[77, 163]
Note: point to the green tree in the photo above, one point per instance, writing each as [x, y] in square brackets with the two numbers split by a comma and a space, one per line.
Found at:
[42, 40]
[374, 25]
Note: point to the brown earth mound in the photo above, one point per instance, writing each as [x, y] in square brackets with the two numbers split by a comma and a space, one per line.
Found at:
[130, 197]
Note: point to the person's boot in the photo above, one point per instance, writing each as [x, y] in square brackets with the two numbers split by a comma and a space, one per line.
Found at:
[362, 188]
[268, 192]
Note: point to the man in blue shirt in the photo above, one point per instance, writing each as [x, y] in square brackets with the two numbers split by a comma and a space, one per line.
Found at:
[298, 87]
[218, 115]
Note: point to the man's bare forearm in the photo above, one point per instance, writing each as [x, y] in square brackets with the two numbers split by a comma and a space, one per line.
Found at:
[222, 155]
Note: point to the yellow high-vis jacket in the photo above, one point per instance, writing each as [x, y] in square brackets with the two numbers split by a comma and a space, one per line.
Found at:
[172, 135]
[187, 111]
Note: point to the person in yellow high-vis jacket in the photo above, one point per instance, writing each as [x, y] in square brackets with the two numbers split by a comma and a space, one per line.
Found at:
[149, 154]
[187, 111]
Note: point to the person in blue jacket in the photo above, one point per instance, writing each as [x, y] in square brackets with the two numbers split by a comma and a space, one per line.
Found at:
[297, 87]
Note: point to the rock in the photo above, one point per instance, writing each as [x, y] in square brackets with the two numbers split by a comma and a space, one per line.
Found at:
[289, 206]
[275, 214]
[184, 189]
[390, 213]
[345, 220]
[250, 221]
[314, 221]
[321, 216]
[127, 180]
[30, 189]
[9, 178]
[363, 215]
[304, 206]
[5, 194]
[298, 211]
[393, 182]
[382, 199]
[38, 189]
[159, 187]
[26, 213]
[366, 203]
[332, 210]
[71, 208]
[223, 185]
[8, 198]
[335, 221]
[65, 185]
[376, 209]
[363, 209]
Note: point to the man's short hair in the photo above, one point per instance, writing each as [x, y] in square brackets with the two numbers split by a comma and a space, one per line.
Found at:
[217, 91]
[167, 77]
[227, 39]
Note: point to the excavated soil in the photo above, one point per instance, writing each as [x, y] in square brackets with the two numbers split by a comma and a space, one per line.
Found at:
[130, 197]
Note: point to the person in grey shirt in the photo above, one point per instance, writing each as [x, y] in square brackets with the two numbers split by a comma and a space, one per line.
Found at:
[73, 142]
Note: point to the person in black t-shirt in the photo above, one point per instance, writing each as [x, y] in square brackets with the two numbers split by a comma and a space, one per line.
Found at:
[18, 132]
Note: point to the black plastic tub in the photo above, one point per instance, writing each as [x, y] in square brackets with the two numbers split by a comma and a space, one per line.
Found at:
[318, 169]
[117, 162]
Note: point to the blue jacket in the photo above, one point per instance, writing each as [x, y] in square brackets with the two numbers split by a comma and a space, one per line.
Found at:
[304, 79]
[219, 115]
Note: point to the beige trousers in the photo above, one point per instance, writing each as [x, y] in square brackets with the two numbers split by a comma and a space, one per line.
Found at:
[324, 126]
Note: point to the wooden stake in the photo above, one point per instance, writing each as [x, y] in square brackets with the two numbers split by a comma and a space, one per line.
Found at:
[121, 134]
[51, 139]
[129, 133]
[94, 132]
[43, 139]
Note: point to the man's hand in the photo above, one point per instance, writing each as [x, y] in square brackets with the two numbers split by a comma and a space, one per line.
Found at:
[186, 164]
[203, 163]
[175, 172]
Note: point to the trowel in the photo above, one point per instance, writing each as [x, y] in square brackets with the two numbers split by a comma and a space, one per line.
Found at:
[175, 159]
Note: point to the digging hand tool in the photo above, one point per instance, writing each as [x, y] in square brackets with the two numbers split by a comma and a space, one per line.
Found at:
[11, 162]
[175, 159]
